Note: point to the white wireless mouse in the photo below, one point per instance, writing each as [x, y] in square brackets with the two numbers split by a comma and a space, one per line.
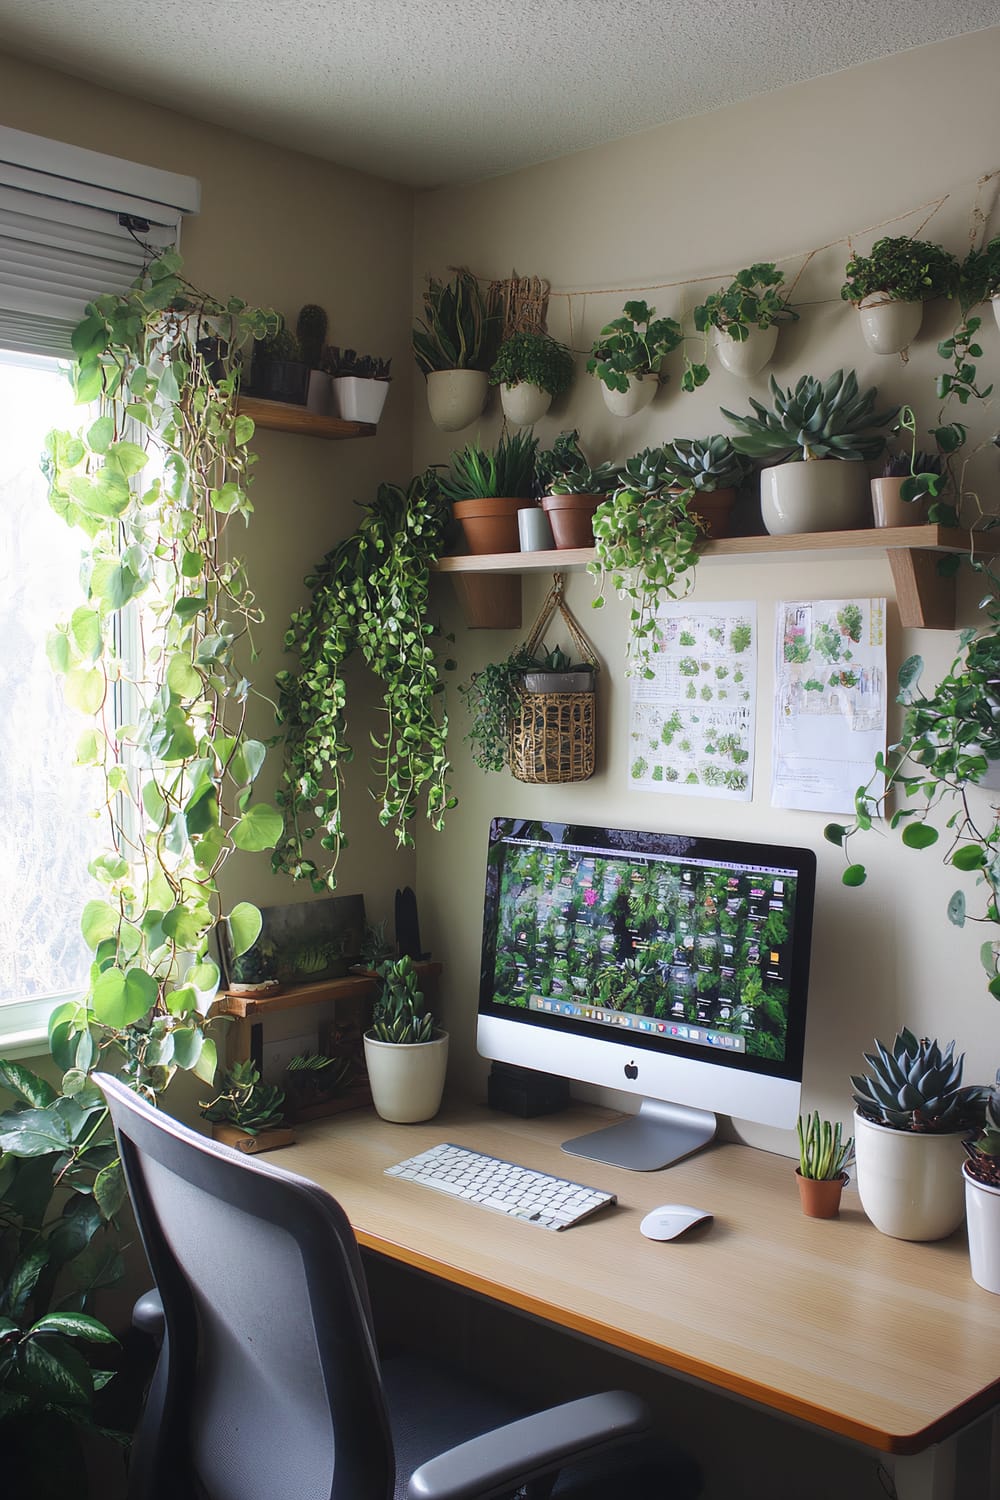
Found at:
[672, 1219]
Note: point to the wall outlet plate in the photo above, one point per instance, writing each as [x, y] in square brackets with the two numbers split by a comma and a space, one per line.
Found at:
[276, 1055]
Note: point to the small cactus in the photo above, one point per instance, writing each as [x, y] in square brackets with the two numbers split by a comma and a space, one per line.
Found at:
[310, 330]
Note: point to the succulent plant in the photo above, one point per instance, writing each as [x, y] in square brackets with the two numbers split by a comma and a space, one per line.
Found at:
[646, 472]
[564, 469]
[897, 465]
[482, 473]
[822, 419]
[706, 464]
[984, 1153]
[246, 1102]
[823, 1153]
[399, 1016]
[916, 1086]
[337, 362]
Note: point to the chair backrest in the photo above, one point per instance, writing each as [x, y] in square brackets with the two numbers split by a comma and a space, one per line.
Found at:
[268, 1383]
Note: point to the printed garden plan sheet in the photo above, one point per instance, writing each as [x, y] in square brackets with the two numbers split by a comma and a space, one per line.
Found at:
[692, 724]
[829, 701]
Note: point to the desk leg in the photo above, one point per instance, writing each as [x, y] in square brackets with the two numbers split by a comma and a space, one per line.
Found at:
[926, 1476]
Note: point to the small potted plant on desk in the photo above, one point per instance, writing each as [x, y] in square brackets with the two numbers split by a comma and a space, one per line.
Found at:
[405, 1053]
[982, 1197]
[360, 384]
[823, 1155]
[247, 1113]
[530, 368]
[627, 356]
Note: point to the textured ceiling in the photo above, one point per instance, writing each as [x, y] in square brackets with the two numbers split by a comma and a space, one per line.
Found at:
[427, 92]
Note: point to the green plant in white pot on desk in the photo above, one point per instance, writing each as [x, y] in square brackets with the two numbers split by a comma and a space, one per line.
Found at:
[405, 1053]
[627, 356]
[890, 286]
[982, 1197]
[531, 368]
[819, 436]
[913, 1115]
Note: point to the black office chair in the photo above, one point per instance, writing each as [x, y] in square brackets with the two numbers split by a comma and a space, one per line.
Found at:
[268, 1384]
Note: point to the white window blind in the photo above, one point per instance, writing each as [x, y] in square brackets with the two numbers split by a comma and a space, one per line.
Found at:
[62, 236]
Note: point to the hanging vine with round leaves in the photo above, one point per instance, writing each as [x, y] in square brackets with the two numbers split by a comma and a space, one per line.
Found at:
[369, 594]
[155, 657]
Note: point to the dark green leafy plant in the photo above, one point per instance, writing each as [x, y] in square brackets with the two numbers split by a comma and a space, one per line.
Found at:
[536, 358]
[281, 344]
[917, 1086]
[751, 300]
[823, 1153]
[310, 330]
[705, 464]
[979, 275]
[458, 330]
[905, 270]
[338, 362]
[400, 1016]
[245, 1102]
[370, 594]
[984, 1154]
[814, 419]
[485, 473]
[312, 1079]
[564, 469]
[634, 344]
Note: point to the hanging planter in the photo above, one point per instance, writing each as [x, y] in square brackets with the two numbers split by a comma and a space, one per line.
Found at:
[455, 398]
[524, 403]
[637, 395]
[530, 368]
[743, 318]
[888, 327]
[451, 345]
[627, 357]
[748, 356]
[890, 286]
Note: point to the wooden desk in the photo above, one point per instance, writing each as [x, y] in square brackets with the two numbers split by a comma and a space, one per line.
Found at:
[884, 1342]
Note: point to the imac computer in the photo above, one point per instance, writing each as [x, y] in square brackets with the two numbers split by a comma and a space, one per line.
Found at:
[672, 967]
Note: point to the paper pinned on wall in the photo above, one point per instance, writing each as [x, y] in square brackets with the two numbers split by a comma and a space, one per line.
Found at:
[691, 727]
[829, 702]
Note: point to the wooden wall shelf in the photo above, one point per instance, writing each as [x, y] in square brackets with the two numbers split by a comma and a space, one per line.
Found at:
[923, 596]
[280, 416]
[256, 1007]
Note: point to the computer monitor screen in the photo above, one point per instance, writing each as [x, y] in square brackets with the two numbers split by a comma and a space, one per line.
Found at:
[670, 966]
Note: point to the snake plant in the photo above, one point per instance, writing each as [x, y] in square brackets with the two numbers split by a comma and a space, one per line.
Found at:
[458, 329]
[814, 419]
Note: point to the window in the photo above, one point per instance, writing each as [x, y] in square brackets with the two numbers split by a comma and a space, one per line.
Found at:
[46, 803]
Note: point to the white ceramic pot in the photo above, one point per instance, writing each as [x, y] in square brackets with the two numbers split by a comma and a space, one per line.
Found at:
[909, 1181]
[887, 326]
[819, 494]
[982, 1210]
[641, 390]
[456, 397]
[358, 398]
[749, 356]
[407, 1081]
[996, 309]
[524, 403]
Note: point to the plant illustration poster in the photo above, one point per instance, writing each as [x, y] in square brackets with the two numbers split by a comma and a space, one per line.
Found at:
[829, 701]
[691, 727]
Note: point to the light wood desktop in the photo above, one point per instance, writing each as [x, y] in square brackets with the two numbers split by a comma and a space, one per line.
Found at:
[884, 1342]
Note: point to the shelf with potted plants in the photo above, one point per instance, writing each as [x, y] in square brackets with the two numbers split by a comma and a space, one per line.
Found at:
[283, 416]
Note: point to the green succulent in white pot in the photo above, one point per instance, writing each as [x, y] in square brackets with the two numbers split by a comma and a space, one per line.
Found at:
[819, 436]
[406, 1054]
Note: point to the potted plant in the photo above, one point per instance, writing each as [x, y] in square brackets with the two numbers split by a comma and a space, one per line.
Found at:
[820, 434]
[823, 1155]
[247, 1113]
[360, 384]
[453, 346]
[488, 486]
[530, 368]
[314, 1083]
[979, 278]
[310, 333]
[495, 697]
[628, 354]
[890, 286]
[278, 372]
[646, 542]
[892, 504]
[405, 1053]
[982, 1197]
[743, 319]
[911, 1119]
[713, 470]
[571, 490]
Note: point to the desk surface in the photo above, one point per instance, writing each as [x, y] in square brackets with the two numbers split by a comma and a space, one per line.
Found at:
[889, 1343]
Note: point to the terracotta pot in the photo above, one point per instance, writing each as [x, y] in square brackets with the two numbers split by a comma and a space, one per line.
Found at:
[820, 1196]
[489, 601]
[714, 509]
[888, 326]
[572, 518]
[490, 525]
[890, 509]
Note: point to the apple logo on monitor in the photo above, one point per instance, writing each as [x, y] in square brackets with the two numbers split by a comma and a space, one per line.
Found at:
[631, 1070]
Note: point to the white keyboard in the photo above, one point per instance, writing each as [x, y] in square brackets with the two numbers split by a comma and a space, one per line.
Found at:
[502, 1186]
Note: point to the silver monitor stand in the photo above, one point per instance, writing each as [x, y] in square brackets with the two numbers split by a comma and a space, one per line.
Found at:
[660, 1134]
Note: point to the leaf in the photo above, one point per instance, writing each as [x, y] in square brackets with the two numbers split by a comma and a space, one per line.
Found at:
[259, 828]
[207, 1062]
[25, 1084]
[969, 857]
[84, 689]
[919, 836]
[188, 1044]
[854, 875]
[245, 923]
[120, 999]
[24, 1278]
[99, 922]
[75, 1325]
[128, 458]
[243, 430]
[56, 1371]
[182, 678]
[956, 909]
[110, 1190]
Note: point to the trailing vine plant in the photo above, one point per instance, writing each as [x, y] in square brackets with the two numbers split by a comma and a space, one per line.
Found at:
[369, 594]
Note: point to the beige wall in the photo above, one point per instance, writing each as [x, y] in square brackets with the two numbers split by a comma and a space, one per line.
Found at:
[771, 179]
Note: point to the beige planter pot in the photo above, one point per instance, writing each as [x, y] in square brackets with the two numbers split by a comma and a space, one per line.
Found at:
[358, 398]
[407, 1081]
[456, 397]
[318, 393]
[641, 390]
[820, 494]
[524, 403]
[982, 1210]
[888, 507]
[748, 357]
[888, 327]
[910, 1183]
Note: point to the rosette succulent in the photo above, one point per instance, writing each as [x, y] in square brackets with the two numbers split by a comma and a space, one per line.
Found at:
[705, 464]
[917, 1086]
[820, 419]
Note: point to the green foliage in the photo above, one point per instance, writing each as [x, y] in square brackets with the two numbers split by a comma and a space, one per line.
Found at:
[823, 1153]
[245, 1101]
[493, 697]
[984, 1153]
[337, 362]
[751, 300]
[458, 330]
[483, 473]
[564, 469]
[815, 419]
[906, 270]
[917, 1086]
[153, 484]
[535, 358]
[399, 1015]
[979, 275]
[705, 464]
[369, 594]
[634, 344]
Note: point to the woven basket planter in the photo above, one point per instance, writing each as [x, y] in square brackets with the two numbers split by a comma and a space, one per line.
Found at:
[554, 738]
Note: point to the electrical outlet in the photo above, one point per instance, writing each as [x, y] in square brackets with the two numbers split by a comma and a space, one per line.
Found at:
[276, 1055]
